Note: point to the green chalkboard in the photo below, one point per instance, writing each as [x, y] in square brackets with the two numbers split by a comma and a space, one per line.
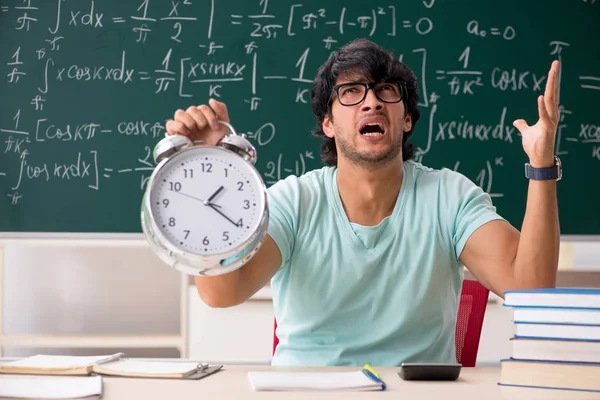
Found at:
[88, 85]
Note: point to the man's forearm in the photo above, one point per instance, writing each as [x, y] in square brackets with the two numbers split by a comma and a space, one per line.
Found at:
[536, 261]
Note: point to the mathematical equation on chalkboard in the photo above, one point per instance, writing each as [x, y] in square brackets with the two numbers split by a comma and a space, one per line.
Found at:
[212, 67]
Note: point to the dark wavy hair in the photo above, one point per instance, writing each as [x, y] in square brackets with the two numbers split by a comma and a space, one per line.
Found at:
[376, 64]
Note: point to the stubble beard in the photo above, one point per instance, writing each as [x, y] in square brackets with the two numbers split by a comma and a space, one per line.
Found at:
[368, 159]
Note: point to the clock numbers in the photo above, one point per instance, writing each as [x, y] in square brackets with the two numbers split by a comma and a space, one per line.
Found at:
[206, 204]
[206, 167]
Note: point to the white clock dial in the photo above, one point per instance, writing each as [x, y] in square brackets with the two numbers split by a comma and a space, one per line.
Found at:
[207, 200]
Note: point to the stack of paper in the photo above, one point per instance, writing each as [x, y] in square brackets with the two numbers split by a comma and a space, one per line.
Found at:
[56, 365]
[51, 388]
[114, 365]
[148, 369]
[296, 381]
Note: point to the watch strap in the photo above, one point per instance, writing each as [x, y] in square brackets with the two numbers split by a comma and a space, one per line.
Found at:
[548, 173]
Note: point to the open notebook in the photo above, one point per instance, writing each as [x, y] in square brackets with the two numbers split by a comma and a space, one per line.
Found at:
[115, 365]
[364, 380]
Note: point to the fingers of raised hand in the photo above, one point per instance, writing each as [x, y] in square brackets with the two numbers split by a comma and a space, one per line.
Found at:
[551, 92]
[543, 111]
[521, 125]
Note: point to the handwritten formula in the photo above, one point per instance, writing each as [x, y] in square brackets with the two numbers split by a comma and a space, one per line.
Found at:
[88, 86]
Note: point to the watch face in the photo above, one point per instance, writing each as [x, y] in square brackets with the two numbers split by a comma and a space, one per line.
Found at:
[207, 200]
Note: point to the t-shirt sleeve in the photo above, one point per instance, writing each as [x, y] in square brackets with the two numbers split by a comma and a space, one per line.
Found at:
[282, 198]
[472, 208]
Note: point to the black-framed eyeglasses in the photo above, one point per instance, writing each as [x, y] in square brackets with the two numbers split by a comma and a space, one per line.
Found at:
[352, 93]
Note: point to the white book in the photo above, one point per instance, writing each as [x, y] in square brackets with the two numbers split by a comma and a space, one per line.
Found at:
[558, 331]
[576, 351]
[51, 387]
[313, 381]
[551, 375]
[553, 297]
[583, 316]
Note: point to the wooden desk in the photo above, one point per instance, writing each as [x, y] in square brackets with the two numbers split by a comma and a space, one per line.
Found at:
[232, 384]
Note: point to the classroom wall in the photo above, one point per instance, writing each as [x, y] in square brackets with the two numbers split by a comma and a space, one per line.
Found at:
[98, 290]
[51, 290]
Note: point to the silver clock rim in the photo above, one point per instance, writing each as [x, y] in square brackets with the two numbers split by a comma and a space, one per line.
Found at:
[171, 253]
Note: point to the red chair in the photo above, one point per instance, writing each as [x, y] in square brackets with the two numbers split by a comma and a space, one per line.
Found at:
[469, 321]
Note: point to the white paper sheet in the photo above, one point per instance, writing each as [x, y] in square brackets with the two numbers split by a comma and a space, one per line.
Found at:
[150, 367]
[61, 362]
[51, 388]
[296, 381]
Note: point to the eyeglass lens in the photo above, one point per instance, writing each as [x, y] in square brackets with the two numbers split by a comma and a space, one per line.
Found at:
[354, 93]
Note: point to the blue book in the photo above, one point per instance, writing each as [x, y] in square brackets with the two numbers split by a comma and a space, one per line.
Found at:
[553, 297]
[550, 375]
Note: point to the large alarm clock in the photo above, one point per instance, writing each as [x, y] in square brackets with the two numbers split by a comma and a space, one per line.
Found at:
[204, 210]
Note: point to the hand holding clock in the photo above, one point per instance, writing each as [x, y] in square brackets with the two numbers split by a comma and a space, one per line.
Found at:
[200, 123]
[204, 243]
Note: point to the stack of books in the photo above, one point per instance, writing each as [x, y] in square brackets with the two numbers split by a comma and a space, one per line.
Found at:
[556, 344]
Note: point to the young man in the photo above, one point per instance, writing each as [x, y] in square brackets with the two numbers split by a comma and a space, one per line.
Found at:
[365, 256]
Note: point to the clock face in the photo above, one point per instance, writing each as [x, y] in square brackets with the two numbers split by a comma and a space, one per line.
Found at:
[207, 200]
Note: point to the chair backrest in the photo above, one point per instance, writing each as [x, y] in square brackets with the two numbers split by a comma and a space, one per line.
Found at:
[469, 321]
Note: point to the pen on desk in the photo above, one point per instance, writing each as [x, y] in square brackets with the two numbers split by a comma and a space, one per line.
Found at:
[373, 375]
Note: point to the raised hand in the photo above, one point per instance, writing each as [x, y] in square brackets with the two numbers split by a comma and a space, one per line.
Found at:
[538, 140]
[200, 122]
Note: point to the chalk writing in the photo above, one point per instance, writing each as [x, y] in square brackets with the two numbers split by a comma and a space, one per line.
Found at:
[590, 82]
[507, 33]
[282, 167]
[89, 85]
[464, 129]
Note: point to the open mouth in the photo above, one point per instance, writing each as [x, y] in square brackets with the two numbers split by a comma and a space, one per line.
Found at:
[372, 129]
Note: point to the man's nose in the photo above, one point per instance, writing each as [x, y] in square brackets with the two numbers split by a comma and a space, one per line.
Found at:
[371, 102]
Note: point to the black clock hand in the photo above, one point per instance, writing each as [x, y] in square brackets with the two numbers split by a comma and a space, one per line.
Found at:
[225, 216]
[211, 198]
[195, 198]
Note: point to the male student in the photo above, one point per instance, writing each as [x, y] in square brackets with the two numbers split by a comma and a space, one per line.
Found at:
[365, 256]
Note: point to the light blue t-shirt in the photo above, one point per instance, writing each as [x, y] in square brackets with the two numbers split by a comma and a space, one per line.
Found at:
[347, 294]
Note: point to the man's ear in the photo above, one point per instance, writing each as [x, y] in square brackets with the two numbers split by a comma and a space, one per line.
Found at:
[327, 126]
[407, 123]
